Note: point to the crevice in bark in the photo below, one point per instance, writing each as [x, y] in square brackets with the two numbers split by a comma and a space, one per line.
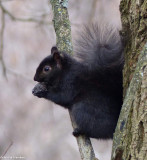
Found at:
[119, 154]
[130, 133]
[140, 136]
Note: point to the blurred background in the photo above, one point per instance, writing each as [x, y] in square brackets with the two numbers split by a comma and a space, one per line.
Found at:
[33, 128]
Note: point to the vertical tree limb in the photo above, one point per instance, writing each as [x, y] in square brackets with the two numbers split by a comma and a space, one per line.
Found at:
[64, 43]
[130, 138]
[131, 131]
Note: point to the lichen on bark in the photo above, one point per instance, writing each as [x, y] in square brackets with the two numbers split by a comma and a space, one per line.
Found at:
[62, 25]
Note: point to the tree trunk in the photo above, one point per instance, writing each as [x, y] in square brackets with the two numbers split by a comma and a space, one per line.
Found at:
[130, 138]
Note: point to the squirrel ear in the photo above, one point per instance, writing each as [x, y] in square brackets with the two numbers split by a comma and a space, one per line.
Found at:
[56, 56]
[54, 49]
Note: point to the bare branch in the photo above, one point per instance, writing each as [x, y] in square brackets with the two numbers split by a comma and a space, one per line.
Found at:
[64, 43]
[5, 11]
[2, 42]
[11, 143]
[16, 73]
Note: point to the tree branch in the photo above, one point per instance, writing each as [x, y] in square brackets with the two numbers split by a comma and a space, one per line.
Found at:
[11, 143]
[2, 41]
[5, 11]
[64, 43]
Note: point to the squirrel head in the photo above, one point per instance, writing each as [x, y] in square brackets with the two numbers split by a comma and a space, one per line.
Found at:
[51, 66]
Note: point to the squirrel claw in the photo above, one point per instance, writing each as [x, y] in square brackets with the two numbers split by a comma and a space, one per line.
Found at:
[76, 132]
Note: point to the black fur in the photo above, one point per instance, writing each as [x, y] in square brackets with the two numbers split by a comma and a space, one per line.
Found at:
[89, 84]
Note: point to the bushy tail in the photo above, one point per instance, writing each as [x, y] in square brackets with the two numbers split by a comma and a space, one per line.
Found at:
[100, 48]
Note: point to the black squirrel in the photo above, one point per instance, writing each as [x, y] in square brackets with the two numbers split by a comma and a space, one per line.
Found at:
[89, 84]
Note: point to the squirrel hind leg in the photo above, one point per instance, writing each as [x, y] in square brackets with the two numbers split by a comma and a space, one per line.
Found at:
[77, 132]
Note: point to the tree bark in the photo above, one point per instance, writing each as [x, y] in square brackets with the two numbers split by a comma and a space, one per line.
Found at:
[130, 138]
[64, 43]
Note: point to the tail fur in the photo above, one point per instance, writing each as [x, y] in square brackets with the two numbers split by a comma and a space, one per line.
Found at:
[100, 47]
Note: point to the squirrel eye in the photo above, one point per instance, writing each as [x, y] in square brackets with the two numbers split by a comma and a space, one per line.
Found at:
[46, 68]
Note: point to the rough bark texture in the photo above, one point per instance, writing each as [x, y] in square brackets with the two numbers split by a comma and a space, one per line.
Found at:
[130, 138]
[64, 43]
[62, 25]
[134, 21]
